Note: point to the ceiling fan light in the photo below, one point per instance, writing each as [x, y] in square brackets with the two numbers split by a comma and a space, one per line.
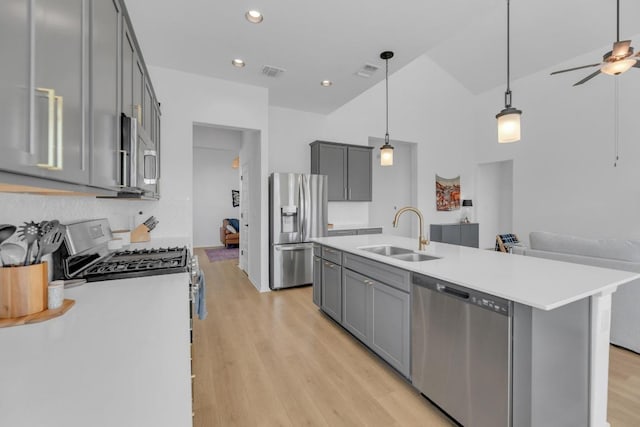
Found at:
[386, 155]
[508, 125]
[618, 67]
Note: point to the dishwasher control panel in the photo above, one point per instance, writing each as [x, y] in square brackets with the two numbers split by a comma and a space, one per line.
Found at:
[470, 296]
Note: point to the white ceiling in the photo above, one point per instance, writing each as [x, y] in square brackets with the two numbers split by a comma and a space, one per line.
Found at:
[465, 37]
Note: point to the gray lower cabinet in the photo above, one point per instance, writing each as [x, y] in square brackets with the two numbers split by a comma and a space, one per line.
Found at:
[356, 304]
[456, 234]
[379, 316]
[390, 331]
[355, 231]
[332, 233]
[332, 290]
[317, 281]
[105, 103]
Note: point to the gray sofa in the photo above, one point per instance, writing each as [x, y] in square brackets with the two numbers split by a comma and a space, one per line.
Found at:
[609, 253]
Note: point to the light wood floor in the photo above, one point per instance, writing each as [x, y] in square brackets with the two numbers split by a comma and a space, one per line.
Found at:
[274, 360]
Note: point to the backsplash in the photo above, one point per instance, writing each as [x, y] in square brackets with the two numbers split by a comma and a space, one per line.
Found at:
[18, 208]
[348, 213]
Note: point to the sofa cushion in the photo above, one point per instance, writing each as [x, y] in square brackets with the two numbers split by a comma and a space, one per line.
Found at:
[234, 223]
[624, 250]
[230, 229]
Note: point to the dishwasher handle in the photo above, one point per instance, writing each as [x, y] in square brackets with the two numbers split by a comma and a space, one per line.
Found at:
[452, 291]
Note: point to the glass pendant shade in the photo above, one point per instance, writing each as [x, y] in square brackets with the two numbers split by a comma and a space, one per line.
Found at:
[386, 155]
[618, 67]
[509, 125]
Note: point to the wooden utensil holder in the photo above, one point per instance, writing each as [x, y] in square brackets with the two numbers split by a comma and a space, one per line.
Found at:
[23, 290]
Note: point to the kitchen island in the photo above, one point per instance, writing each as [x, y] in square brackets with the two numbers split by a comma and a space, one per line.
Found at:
[119, 357]
[559, 317]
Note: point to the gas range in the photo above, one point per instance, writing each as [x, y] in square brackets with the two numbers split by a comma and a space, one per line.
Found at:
[85, 255]
[139, 263]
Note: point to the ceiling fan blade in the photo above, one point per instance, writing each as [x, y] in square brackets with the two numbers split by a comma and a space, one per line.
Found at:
[589, 77]
[621, 48]
[575, 68]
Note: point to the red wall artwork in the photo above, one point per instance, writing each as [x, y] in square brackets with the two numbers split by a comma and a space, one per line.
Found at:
[447, 193]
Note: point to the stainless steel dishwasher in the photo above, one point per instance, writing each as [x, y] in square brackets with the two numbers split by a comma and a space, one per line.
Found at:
[461, 351]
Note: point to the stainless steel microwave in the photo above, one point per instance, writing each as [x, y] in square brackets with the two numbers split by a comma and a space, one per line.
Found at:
[138, 166]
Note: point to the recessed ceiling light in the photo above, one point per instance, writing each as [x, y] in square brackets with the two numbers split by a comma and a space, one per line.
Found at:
[238, 63]
[254, 16]
[326, 83]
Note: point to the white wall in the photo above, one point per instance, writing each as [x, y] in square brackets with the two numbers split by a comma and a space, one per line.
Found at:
[290, 133]
[213, 180]
[426, 106]
[188, 99]
[393, 188]
[564, 178]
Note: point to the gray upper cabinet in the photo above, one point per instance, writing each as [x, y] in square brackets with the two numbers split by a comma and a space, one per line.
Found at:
[61, 89]
[106, 22]
[348, 168]
[14, 87]
[44, 121]
[359, 173]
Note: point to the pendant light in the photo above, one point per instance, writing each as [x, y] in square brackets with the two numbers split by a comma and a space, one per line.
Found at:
[386, 151]
[509, 118]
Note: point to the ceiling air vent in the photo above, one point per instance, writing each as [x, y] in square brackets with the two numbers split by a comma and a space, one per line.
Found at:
[270, 71]
[367, 71]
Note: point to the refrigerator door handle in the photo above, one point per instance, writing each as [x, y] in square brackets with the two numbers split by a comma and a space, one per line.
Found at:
[294, 247]
[304, 194]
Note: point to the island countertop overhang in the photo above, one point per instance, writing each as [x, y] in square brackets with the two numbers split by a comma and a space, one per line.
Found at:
[536, 282]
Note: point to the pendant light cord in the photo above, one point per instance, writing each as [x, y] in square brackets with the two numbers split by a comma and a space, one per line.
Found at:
[618, 21]
[507, 94]
[386, 78]
[616, 120]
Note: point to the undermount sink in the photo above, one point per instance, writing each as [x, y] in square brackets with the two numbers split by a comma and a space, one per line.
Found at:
[395, 252]
[414, 257]
[387, 250]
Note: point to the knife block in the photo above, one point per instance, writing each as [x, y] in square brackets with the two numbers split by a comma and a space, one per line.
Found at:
[23, 290]
[140, 234]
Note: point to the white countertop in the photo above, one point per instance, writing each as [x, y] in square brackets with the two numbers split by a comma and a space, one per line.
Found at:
[118, 357]
[352, 226]
[536, 282]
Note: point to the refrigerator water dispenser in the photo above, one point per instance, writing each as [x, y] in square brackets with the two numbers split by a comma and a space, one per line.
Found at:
[289, 217]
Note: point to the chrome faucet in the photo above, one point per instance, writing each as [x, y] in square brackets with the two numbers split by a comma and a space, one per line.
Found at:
[422, 241]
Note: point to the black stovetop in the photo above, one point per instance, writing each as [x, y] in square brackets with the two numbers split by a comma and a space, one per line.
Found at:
[139, 263]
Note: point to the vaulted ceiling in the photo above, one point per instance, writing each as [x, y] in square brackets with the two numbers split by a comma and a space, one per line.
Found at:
[333, 39]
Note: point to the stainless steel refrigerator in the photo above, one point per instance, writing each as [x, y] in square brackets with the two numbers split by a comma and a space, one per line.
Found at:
[297, 212]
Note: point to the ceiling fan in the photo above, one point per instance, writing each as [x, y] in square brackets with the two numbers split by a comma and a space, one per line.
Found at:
[616, 61]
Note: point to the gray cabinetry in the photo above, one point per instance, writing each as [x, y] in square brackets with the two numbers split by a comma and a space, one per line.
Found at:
[317, 281]
[359, 174]
[356, 304]
[456, 234]
[60, 108]
[348, 168]
[332, 290]
[354, 231]
[375, 312]
[17, 154]
[105, 100]
[390, 331]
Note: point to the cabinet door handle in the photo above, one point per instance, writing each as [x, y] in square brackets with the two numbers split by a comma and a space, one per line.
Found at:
[328, 264]
[345, 193]
[124, 168]
[138, 113]
[59, 124]
[51, 127]
[349, 193]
